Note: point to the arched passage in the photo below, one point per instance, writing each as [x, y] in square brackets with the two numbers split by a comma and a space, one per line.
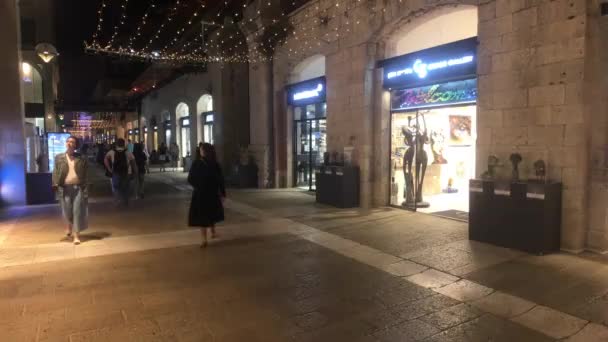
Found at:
[182, 114]
[204, 110]
[309, 68]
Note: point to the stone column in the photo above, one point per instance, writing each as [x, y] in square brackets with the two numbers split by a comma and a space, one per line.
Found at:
[12, 140]
[260, 119]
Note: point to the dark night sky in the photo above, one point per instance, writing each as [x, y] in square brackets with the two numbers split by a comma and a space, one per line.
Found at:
[75, 21]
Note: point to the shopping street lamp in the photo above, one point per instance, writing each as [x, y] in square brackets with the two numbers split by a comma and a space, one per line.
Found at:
[46, 52]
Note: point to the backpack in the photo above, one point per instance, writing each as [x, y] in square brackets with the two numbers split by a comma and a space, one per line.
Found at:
[120, 166]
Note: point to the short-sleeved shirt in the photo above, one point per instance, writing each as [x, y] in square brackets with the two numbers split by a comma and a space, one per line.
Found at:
[129, 155]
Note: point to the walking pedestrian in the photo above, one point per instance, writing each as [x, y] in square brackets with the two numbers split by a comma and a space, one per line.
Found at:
[206, 206]
[140, 160]
[174, 152]
[120, 164]
[163, 156]
[70, 183]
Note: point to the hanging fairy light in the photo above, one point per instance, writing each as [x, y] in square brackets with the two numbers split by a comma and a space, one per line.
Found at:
[309, 32]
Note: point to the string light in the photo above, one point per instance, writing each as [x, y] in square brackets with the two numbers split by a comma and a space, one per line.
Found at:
[225, 46]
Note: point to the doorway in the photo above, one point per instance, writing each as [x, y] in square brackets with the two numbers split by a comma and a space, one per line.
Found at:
[432, 159]
[185, 136]
[310, 134]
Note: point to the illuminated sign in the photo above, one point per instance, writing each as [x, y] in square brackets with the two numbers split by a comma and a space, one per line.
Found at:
[422, 69]
[307, 92]
[450, 93]
[56, 145]
[449, 62]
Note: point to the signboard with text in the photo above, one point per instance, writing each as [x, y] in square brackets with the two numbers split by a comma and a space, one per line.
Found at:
[449, 93]
[449, 62]
[307, 92]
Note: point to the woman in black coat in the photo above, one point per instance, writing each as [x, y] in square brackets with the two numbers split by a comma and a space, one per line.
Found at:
[206, 207]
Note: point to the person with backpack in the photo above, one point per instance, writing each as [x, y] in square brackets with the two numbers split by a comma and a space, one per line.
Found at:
[121, 167]
[140, 160]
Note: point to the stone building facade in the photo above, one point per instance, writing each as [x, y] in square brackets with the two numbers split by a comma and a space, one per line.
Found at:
[541, 92]
[220, 91]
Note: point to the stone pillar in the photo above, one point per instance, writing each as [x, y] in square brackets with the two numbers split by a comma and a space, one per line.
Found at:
[48, 85]
[596, 87]
[12, 140]
[350, 80]
[260, 120]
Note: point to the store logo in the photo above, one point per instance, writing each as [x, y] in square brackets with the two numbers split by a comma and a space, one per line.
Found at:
[422, 69]
[307, 94]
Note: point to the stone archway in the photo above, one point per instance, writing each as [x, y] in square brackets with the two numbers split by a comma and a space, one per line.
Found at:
[203, 105]
[310, 67]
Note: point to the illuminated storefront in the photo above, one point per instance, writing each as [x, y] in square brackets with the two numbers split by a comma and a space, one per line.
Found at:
[433, 96]
[310, 129]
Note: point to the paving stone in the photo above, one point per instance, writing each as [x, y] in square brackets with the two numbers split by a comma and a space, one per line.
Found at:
[404, 268]
[503, 304]
[590, 333]
[452, 316]
[432, 279]
[551, 322]
[414, 330]
[489, 328]
[465, 290]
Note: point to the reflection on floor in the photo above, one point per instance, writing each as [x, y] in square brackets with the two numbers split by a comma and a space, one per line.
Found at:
[443, 202]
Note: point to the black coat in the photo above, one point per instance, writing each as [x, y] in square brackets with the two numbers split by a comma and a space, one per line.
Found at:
[206, 207]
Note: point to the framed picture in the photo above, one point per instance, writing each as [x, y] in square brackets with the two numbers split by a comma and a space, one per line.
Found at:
[460, 130]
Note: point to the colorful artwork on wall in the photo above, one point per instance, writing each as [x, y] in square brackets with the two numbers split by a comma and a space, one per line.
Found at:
[460, 130]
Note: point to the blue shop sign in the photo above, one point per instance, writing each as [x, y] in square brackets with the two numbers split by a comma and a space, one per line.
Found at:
[449, 62]
[307, 92]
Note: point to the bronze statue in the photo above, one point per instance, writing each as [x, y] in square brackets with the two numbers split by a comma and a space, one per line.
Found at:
[492, 165]
[515, 159]
[415, 138]
[540, 170]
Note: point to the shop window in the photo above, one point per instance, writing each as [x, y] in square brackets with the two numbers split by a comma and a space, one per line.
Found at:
[208, 129]
[31, 84]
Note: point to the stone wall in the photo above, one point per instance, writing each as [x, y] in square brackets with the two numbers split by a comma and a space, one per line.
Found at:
[542, 86]
[531, 79]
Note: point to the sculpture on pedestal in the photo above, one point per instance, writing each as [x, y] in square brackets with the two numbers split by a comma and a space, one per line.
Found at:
[515, 159]
[492, 165]
[415, 138]
[540, 170]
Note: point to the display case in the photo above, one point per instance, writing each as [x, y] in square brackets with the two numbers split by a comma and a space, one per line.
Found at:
[338, 186]
[519, 215]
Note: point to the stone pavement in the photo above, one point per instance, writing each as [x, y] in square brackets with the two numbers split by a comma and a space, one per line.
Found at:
[284, 269]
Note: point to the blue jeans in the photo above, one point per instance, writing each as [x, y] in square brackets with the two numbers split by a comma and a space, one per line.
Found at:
[121, 186]
[73, 200]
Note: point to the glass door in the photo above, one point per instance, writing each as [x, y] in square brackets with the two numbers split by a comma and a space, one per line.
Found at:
[302, 154]
[318, 143]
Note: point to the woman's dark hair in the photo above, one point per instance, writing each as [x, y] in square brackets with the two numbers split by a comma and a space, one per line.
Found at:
[75, 139]
[209, 152]
[138, 148]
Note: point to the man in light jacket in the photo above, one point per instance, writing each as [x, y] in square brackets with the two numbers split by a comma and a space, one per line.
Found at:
[70, 183]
